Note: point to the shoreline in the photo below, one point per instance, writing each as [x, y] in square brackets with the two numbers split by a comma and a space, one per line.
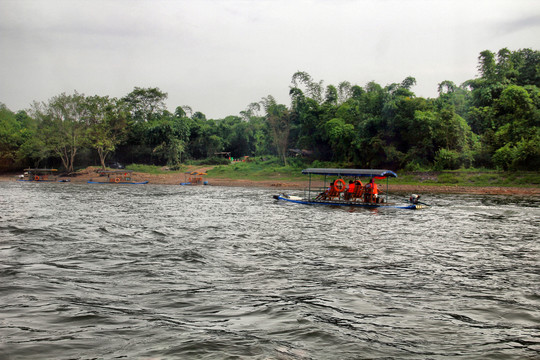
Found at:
[83, 176]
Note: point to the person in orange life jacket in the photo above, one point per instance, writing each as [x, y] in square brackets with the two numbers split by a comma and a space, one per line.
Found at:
[371, 192]
[350, 190]
[331, 189]
[358, 186]
[327, 192]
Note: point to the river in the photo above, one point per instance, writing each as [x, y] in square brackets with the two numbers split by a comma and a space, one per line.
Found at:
[177, 272]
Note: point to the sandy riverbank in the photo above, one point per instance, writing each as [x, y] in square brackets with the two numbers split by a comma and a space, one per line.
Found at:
[90, 173]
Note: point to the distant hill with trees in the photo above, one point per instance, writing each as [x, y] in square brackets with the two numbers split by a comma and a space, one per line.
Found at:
[492, 121]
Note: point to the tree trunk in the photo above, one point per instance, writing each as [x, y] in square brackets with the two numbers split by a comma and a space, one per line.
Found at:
[102, 156]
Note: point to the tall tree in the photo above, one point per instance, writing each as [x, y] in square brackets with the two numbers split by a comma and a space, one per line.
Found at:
[279, 119]
[107, 120]
[9, 139]
[168, 137]
[145, 103]
[63, 126]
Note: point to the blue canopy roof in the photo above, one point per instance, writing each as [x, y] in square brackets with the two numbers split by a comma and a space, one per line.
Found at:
[377, 173]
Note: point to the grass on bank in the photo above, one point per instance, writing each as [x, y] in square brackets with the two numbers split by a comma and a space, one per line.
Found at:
[255, 172]
[153, 169]
[270, 168]
[471, 177]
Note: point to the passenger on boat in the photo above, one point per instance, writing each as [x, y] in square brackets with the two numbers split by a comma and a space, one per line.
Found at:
[358, 190]
[371, 192]
[328, 192]
[350, 191]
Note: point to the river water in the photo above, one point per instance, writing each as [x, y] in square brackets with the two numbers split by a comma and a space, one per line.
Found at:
[173, 272]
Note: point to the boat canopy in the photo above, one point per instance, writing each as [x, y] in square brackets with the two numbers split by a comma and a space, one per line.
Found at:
[375, 173]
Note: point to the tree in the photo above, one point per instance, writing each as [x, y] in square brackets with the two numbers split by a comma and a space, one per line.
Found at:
[331, 95]
[168, 137]
[9, 139]
[145, 103]
[279, 119]
[63, 126]
[252, 110]
[487, 66]
[198, 116]
[340, 136]
[408, 82]
[446, 87]
[107, 124]
[344, 91]
[313, 89]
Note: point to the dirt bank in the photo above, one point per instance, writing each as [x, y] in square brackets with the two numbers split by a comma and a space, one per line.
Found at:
[82, 176]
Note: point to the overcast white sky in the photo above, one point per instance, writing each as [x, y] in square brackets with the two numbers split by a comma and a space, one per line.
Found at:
[218, 56]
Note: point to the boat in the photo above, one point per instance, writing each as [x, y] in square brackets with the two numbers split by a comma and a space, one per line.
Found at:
[194, 178]
[117, 177]
[337, 194]
[40, 175]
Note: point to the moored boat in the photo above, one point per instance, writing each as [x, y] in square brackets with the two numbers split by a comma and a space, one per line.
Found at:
[117, 177]
[194, 178]
[41, 175]
[355, 195]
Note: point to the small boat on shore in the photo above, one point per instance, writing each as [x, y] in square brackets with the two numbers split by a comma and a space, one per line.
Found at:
[355, 195]
[117, 177]
[194, 178]
[40, 175]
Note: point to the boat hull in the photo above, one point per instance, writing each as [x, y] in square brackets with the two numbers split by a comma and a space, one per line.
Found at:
[298, 200]
[118, 183]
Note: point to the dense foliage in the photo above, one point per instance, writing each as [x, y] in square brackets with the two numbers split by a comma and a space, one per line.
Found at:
[492, 121]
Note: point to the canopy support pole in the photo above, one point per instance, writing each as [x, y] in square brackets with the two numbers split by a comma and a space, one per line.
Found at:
[309, 189]
[386, 201]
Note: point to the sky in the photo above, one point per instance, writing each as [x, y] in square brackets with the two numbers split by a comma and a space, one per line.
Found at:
[218, 56]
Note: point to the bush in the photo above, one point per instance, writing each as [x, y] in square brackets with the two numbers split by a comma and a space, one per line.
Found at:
[447, 160]
[504, 157]
[414, 166]
[527, 154]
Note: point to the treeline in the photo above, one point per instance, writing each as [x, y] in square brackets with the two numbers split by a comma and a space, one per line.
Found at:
[492, 121]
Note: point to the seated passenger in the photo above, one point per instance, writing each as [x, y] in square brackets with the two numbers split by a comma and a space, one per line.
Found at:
[371, 192]
[327, 194]
[350, 191]
[358, 190]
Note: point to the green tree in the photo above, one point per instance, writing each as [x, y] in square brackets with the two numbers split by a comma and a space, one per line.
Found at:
[145, 104]
[107, 119]
[168, 137]
[340, 135]
[10, 137]
[279, 119]
[63, 126]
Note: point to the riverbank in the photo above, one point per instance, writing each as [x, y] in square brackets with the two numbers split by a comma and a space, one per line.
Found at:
[175, 178]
